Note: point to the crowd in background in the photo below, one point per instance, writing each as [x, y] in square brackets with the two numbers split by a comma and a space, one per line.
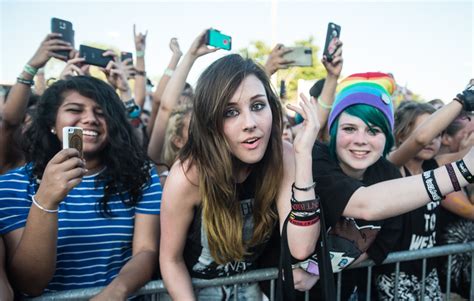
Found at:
[202, 182]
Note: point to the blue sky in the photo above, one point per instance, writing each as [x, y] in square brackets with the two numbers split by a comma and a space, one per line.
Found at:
[427, 45]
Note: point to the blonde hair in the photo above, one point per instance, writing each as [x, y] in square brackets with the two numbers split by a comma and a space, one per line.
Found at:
[174, 129]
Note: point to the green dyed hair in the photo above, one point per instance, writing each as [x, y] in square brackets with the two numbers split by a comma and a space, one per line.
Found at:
[370, 116]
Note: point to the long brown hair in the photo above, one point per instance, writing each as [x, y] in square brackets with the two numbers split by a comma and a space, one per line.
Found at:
[208, 150]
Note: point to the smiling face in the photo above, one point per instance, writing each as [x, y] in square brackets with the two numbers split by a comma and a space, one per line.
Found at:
[248, 121]
[80, 111]
[358, 146]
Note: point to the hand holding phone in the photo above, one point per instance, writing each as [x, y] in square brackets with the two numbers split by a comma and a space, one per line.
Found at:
[333, 32]
[300, 56]
[72, 138]
[94, 56]
[67, 33]
[216, 39]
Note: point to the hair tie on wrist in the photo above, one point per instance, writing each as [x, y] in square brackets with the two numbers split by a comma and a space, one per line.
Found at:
[28, 82]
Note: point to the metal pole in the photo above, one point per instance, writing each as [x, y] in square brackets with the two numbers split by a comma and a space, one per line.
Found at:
[369, 282]
[338, 293]
[397, 275]
[448, 278]
[423, 279]
[272, 290]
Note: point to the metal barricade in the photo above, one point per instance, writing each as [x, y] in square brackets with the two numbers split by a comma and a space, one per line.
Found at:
[153, 288]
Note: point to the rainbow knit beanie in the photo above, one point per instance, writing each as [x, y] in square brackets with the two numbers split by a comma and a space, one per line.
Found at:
[371, 88]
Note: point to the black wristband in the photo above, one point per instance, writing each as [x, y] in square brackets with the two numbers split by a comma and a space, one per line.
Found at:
[452, 177]
[464, 171]
[431, 186]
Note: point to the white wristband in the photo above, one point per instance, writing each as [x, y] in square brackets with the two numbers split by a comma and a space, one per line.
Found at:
[168, 72]
[41, 207]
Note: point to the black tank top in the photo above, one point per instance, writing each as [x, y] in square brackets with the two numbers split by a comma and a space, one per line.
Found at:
[197, 256]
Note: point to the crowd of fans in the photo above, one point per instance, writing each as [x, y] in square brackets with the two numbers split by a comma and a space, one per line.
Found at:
[226, 177]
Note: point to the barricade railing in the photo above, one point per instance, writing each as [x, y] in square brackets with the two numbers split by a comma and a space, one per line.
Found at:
[153, 288]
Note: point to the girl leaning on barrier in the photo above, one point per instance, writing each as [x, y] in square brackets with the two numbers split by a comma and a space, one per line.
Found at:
[73, 222]
[358, 187]
[234, 180]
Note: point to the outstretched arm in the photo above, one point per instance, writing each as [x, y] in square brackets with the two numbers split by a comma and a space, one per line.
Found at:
[171, 95]
[140, 75]
[425, 133]
[15, 107]
[174, 46]
[395, 197]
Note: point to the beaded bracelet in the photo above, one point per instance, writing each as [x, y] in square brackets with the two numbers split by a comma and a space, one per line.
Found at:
[42, 208]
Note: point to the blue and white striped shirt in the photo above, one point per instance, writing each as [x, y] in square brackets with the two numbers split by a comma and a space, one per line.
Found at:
[91, 248]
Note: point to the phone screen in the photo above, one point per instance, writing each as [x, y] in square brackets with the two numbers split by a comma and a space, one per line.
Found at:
[126, 55]
[334, 31]
[216, 39]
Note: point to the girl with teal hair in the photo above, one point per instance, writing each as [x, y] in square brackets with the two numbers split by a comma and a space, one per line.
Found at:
[361, 191]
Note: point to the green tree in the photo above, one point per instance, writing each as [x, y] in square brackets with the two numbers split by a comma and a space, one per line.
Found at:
[259, 51]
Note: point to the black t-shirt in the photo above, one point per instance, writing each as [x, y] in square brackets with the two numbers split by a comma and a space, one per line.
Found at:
[348, 238]
[419, 232]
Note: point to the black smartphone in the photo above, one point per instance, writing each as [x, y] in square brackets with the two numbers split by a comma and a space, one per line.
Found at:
[94, 56]
[126, 55]
[216, 39]
[334, 31]
[65, 28]
[301, 56]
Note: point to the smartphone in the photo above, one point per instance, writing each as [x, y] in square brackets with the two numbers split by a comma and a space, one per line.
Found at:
[216, 39]
[72, 138]
[65, 28]
[126, 55]
[301, 56]
[94, 56]
[334, 31]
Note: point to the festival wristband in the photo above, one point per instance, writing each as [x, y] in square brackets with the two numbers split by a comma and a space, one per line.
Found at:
[452, 177]
[464, 171]
[431, 186]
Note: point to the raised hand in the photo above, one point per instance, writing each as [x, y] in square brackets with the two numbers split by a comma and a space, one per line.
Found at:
[74, 67]
[334, 67]
[116, 72]
[306, 136]
[46, 50]
[199, 48]
[140, 39]
[276, 61]
[174, 46]
[63, 172]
